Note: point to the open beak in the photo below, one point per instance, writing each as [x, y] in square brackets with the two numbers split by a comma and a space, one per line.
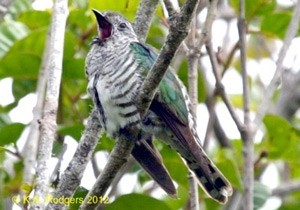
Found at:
[104, 26]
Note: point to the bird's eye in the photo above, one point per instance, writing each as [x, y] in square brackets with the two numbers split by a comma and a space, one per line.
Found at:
[122, 25]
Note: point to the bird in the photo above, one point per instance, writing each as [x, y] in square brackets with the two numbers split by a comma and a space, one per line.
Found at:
[115, 67]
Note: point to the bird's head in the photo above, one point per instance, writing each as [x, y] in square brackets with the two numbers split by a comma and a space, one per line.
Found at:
[113, 27]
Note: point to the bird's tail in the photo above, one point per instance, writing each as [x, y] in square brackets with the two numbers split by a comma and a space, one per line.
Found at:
[149, 158]
[209, 177]
[183, 138]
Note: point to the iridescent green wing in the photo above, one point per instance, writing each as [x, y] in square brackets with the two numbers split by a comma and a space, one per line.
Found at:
[169, 96]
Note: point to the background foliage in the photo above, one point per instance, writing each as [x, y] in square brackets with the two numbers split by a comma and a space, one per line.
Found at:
[22, 40]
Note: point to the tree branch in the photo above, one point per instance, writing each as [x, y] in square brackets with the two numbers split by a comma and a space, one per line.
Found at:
[4, 6]
[220, 87]
[193, 192]
[193, 58]
[30, 148]
[71, 177]
[287, 188]
[48, 123]
[170, 8]
[270, 90]
[179, 25]
[213, 121]
[117, 159]
[289, 99]
[246, 133]
[144, 17]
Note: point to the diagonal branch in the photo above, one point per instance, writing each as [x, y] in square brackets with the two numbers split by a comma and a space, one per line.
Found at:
[179, 25]
[220, 87]
[117, 159]
[287, 188]
[290, 34]
[71, 177]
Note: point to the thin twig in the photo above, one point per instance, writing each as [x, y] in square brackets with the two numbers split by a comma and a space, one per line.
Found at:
[95, 167]
[193, 59]
[220, 87]
[193, 192]
[270, 90]
[206, 31]
[206, 35]
[246, 133]
[230, 58]
[56, 172]
[211, 105]
[30, 149]
[48, 123]
[221, 135]
[213, 121]
[286, 188]
[193, 81]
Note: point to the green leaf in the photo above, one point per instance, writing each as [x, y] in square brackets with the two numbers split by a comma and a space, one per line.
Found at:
[261, 193]
[275, 24]
[20, 6]
[10, 31]
[27, 188]
[137, 201]
[294, 169]
[4, 118]
[70, 45]
[74, 130]
[20, 66]
[79, 19]
[35, 19]
[289, 204]
[183, 196]
[229, 167]
[176, 167]
[73, 68]
[57, 148]
[2, 177]
[33, 43]
[254, 48]
[156, 35]
[126, 7]
[21, 87]
[105, 143]
[255, 8]
[78, 198]
[183, 75]
[10, 133]
[282, 140]
[211, 204]
[13, 185]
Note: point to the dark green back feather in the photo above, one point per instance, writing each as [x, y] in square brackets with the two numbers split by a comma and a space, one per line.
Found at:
[169, 93]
